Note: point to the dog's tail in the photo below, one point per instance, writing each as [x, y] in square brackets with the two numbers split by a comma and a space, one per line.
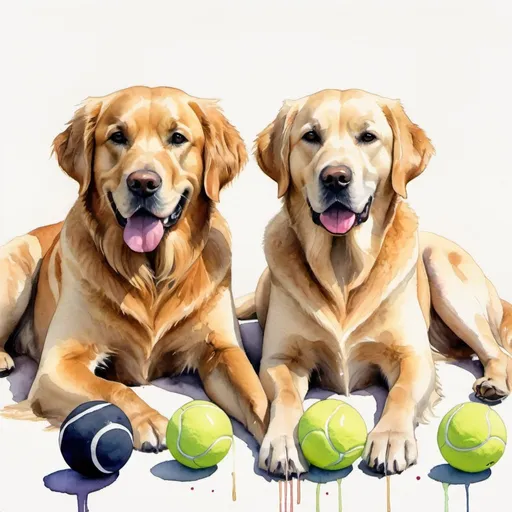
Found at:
[20, 411]
[24, 411]
[245, 307]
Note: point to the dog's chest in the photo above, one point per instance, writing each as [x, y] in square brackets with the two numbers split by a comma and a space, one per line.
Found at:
[350, 366]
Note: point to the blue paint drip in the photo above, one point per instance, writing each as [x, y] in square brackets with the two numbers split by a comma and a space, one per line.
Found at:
[69, 482]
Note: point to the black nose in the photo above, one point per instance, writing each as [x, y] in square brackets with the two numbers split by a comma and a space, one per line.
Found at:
[336, 177]
[144, 183]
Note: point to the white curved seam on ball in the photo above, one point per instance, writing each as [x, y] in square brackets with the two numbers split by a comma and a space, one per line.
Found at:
[358, 447]
[179, 433]
[221, 438]
[312, 432]
[498, 438]
[490, 429]
[96, 440]
[94, 408]
[473, 447]
[447, 426]
[190, 457]
[326, 431]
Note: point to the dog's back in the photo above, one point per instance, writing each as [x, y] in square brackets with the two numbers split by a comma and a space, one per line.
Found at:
[21, 262]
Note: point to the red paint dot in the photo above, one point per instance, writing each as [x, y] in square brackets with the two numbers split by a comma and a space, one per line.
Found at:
[191, 488]
[327, 494]
[213, 490]
[418, 478]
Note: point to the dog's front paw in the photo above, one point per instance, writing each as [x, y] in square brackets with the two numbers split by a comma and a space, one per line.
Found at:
[390, 451]
[149, 431]
[280, 454]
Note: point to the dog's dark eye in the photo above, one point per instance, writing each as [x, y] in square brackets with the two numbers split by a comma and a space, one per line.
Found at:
[118, 138]
[312, 137]
[177, 139]
[367, 137]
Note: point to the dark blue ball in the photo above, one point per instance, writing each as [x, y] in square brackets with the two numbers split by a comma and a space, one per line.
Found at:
[96, 439]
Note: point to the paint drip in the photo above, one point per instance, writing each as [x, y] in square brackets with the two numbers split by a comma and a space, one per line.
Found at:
[467, 497]
[233, 474]
[69, 482]
[286, 491]
[233, 489]
[340, 507]
[388, 493]
[298, 490]
[445, 487]
[288, 495]
[82, 503]
[318, 497]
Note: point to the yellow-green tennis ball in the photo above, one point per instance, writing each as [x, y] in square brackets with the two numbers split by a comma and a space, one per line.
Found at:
[199, 434]
[472, 437]
[332, 434]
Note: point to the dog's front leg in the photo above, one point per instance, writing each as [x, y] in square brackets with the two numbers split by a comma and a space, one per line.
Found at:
[66, 379]
[284, 373]
[231, 382]
[226, 372]
[286, 386]
[391, 446]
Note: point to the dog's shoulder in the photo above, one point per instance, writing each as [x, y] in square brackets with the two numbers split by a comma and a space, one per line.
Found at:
[280, 240]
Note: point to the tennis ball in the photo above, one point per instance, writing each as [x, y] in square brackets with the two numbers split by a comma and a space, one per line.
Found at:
[96, 439]
[199, 434]
[332, 434]
[472, 437]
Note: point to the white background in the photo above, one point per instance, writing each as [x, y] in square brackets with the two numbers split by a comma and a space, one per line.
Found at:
[449, 63]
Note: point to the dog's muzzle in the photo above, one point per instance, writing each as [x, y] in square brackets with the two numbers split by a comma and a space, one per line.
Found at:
[338, 219]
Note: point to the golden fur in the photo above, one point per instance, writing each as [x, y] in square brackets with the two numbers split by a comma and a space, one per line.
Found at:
[142, 315]
[381, 299]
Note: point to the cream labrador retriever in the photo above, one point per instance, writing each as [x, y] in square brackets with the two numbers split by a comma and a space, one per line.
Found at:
[353, 290]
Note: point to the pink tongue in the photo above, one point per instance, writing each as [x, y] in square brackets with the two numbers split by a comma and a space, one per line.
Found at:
[143, 233]
[338, 221]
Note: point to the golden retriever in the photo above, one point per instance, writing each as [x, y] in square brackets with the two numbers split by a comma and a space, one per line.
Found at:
[352, 289]
[138, 277]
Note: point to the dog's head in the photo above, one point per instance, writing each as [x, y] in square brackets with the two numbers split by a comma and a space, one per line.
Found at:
[339, 150]
[148, 155]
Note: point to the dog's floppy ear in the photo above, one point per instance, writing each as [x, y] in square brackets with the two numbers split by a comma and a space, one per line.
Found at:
[74, 147]
[272, 147]
[412, 149]
[224, 153]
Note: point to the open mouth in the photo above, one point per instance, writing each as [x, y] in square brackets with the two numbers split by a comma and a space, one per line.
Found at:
[338, 219]
[143, 231]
